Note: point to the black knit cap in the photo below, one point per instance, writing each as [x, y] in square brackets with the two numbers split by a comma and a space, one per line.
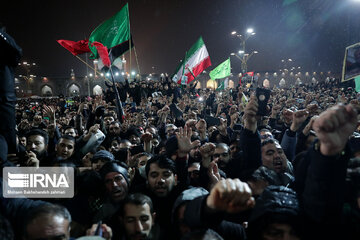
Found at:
[276, 200]
[103, 154]
[114, 167]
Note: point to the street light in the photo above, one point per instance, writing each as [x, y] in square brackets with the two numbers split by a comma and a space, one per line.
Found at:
[246, 57]
[250, 30]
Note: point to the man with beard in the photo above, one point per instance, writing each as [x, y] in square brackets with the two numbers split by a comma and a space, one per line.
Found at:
[117, 183]
[108, 119]
[162, 187]
[222, 155]
[36, 148]
[113, 131]
[137, 218]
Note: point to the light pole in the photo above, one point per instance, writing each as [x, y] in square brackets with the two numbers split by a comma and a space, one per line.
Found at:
[244, 58]
[29, 78]
[243, 38]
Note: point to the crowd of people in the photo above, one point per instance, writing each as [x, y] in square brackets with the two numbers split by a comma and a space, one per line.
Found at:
[181, 162]
[177, 162]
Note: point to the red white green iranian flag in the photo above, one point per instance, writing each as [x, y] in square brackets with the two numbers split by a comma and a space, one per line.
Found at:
[196, 60]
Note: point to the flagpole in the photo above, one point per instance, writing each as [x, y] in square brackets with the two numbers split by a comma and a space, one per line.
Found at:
[120, 111]
[87, 76]
[136, 58]
[85, 62]
[191, 73]
[129, 44]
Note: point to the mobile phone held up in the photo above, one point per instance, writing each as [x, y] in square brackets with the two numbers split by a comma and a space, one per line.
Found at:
[262, 95]
[212, 121]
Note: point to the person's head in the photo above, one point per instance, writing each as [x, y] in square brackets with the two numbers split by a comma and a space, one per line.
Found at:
[170, 130]
[22, 140]
[201, 234]
[161, 175]
[275, 215]
[125, 144]
[108, 119]
[115, 145]
[273, 156]
[141, 159]
[137, 216]
[221, 155]
[195, 154]
[65, 148]
[86, 160]
[48, 221]
[234, 148]
[116, 179]
[194, 174]
[211, 129]
[37, 141]
[37, 120]
[134, 139]
[114, 128]
[71, 131]
[265, 134]
[181, 226]
[100, 158]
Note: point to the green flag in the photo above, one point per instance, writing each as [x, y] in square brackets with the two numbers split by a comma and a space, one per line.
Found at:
[221, 71]
[221, 86]
[113, 32]
[357, 84]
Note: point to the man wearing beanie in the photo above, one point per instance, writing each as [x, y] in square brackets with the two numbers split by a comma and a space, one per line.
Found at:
[117, 183]
[100, 158]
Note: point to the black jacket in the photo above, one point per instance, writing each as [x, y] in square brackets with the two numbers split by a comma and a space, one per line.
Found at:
[10, 56]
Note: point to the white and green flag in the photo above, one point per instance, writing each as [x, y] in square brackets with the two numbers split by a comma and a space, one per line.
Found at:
[221, 71]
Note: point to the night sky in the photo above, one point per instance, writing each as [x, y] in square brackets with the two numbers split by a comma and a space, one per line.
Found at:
[314, 33]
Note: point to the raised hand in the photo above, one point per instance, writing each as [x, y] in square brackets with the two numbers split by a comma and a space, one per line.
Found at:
[184, 141]
[106, 230]
[146, 137]
[230, 196]
[309, 126]
[222, 127]
[250, 114]
[49, 111]
[206, 151]
[32, 159]
[275, 111]
[333, 128]
[298, 118]
[213, 173]
[201, 126]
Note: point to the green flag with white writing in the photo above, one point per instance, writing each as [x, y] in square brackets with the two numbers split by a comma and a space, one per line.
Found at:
[221, 71]
[357, 84]
[113, 32]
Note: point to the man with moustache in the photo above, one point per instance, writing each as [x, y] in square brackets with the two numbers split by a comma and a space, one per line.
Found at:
[36, 148]
[117, 183]
[162, 187]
